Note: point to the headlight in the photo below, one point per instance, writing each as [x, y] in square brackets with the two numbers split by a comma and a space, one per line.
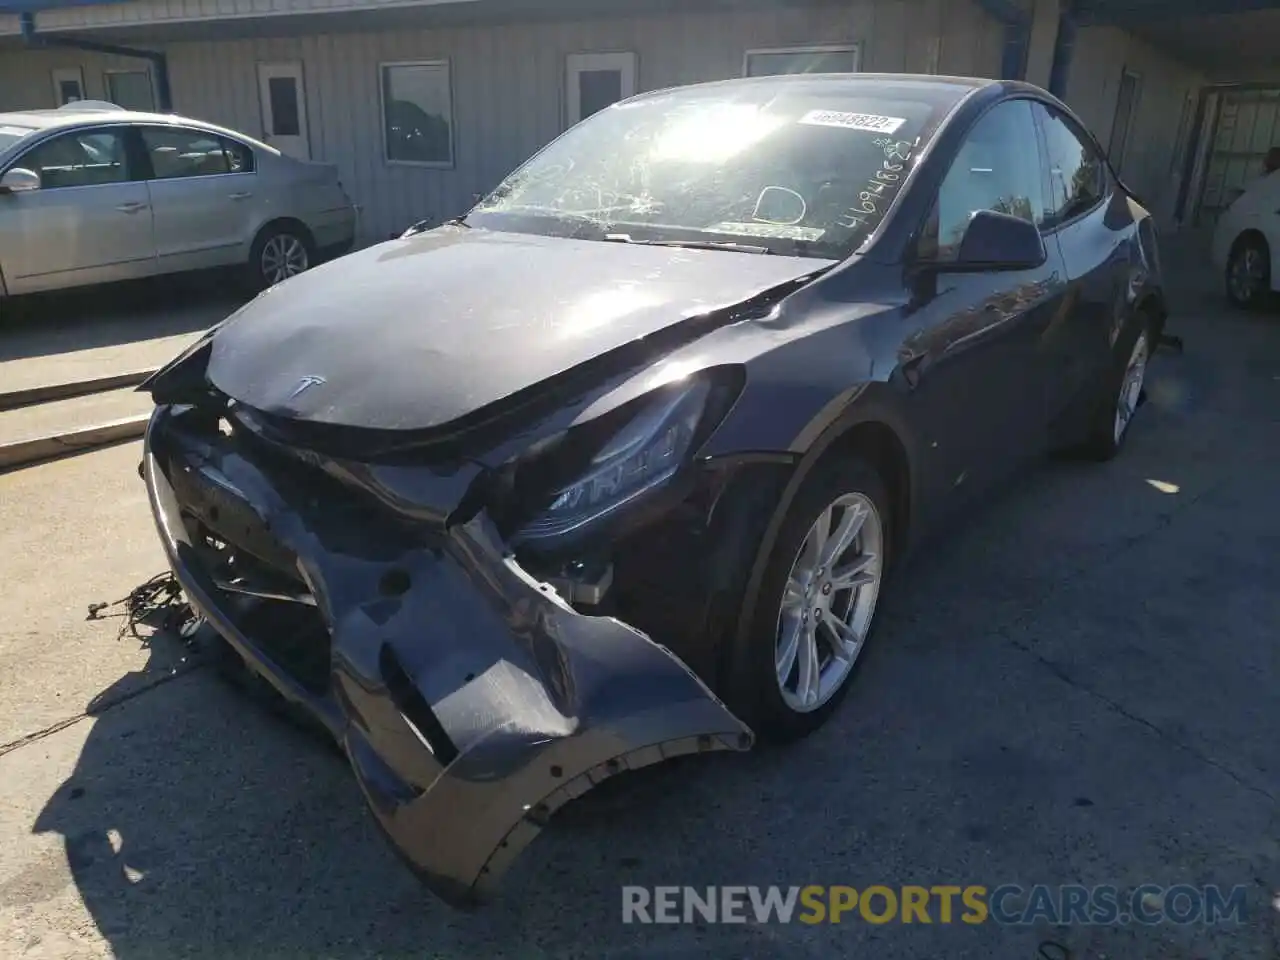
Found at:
[642, 455]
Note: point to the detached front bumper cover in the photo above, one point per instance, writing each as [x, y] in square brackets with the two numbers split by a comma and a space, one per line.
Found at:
[471, 701]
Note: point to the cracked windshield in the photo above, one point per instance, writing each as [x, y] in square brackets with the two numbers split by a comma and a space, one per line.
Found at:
[801, 174]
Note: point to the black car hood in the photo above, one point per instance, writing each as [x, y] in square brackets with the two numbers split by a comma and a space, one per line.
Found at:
[415, 333]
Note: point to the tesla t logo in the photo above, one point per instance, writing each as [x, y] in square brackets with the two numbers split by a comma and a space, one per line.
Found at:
[306, 383]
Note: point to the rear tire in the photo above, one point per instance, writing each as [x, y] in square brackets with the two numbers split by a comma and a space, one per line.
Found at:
[801, 594]
[1124, 392]
[280, 252]
[1248, 274]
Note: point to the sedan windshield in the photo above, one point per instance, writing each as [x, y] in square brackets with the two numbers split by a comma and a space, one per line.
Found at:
[804, 167]
[11, 134]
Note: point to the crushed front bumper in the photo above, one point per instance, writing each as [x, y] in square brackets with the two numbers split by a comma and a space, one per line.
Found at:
[470, 699]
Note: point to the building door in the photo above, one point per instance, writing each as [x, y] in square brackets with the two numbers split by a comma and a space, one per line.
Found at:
[284, 108]
[68, 85]
[595, 80]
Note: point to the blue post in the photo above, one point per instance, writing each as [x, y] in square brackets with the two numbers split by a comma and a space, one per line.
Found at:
[1017, 36]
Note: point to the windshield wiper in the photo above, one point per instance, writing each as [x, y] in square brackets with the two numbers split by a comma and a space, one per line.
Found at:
[691, 244]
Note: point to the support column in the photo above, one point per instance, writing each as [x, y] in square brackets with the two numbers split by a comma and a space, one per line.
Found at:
[1044, 38]
[1063, 52]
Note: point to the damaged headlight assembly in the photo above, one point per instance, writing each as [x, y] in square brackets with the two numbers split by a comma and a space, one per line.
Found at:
[595, 470]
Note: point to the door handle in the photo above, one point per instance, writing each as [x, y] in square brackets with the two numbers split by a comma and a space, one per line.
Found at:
[244, 195]
[132, 207]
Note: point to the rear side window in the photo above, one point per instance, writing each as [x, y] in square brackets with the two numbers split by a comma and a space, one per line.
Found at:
[176, 152]
[1077, 173]
[85, 158]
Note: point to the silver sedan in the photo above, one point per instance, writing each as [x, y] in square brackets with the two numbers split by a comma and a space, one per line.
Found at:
[92, 193]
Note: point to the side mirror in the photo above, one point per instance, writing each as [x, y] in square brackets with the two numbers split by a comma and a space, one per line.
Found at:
[19, 180]
[1000, 241]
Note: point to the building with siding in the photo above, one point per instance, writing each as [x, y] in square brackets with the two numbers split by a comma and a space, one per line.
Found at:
[423, 104]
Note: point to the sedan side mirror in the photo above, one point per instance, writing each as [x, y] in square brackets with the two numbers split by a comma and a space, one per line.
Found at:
[19, 180]
[1001, 241]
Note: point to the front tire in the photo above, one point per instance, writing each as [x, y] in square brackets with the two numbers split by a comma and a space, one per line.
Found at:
[816, 604]
[1248, 276]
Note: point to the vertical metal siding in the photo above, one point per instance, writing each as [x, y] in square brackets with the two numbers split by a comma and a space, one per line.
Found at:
[508, 80]
[1101, 55]
[1248, 125]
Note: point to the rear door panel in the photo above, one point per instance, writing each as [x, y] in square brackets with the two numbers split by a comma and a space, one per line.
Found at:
[204, 205]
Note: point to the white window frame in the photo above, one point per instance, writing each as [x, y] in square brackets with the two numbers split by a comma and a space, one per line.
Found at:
[854, 48]
[108, 74]
[453, 123]
[59, 74]
[626, 62]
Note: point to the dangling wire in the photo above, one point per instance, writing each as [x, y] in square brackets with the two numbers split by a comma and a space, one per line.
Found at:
[159, 604]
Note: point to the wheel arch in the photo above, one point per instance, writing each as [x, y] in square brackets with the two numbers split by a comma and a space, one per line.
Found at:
[1247, 234]
[1255, 234]
[870, 425]
[292, 223]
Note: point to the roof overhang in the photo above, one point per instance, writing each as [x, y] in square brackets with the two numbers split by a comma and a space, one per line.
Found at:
[1232, 36]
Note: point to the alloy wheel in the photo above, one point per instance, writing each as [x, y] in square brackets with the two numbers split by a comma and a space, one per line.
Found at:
[283, 256]
[828, 602]
[1135, 375]
[1247, 274]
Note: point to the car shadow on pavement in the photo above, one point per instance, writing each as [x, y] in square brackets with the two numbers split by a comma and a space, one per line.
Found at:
[198, 823]
[43, 324]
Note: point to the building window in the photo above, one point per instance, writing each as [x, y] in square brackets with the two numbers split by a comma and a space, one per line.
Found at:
[826, 59]
[130, 89]
[417, 113]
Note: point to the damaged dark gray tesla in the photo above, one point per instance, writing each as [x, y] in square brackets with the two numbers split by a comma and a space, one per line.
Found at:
[614, 467]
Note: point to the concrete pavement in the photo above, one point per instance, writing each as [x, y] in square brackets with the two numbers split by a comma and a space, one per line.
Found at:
[1076, 685]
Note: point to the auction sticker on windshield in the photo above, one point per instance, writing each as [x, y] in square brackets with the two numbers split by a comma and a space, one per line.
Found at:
[853, 121]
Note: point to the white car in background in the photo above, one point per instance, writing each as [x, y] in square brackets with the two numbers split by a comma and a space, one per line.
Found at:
[1246, 243]
[93, 193]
